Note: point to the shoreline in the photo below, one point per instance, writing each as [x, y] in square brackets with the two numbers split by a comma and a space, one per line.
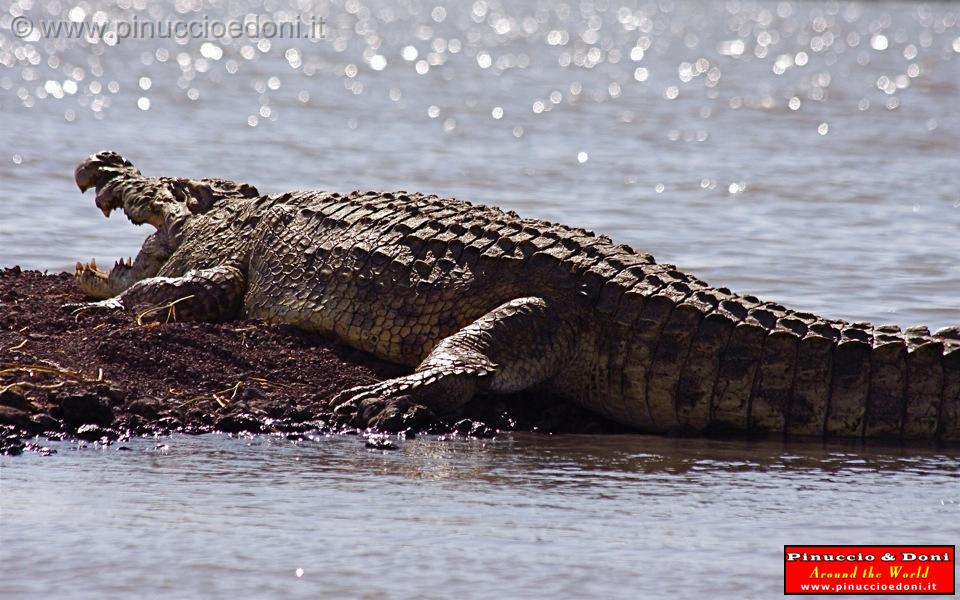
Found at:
[101, 377]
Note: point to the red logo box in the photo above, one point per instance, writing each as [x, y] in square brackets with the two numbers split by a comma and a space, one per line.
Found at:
[877, 570]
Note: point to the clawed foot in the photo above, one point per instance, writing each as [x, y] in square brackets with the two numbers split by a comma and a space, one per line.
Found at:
[384, 406]
[75, 308]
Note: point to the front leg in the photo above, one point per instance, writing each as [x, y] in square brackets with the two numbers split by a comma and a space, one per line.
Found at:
[513, 347]
[214, 294]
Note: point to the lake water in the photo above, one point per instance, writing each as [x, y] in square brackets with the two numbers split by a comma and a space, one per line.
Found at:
[522, 516]
[802, 151]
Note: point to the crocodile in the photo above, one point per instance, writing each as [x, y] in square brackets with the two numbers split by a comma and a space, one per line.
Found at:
[476, 300]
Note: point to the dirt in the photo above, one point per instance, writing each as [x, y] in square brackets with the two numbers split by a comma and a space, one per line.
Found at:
[103, 376]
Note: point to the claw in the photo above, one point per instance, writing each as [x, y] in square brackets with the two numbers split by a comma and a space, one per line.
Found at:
[76, 308]
[383, 406]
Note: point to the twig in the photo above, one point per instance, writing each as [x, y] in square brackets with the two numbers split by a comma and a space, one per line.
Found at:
[267, 382]
[33, 386]
[9, 369]
[215, 396]
[171, 309]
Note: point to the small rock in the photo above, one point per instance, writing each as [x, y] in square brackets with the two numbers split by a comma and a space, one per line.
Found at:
[112, 394]
[480, 430]
[45, 422]
[171, 423]
[94, 433]
[197, 429]
[86, 409]
[11, 448]
[380, 442]
[15, 417]
[239, 423]
[144, 407]
[15, 400]
[41, 450]
[463, 426]
[298, 412]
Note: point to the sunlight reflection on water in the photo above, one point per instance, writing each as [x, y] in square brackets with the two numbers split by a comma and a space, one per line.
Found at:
[801, 151]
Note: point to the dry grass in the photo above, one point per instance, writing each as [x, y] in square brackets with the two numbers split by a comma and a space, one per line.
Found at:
[170, 307]
[47, 368]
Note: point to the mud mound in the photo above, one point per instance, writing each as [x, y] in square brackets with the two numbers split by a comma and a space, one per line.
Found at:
[102, 376]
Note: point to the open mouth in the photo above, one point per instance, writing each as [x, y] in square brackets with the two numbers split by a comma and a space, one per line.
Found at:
[141, 207]
[142, 210]
[119, 185]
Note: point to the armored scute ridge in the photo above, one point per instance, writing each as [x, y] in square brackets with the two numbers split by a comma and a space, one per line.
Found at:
[477, 300]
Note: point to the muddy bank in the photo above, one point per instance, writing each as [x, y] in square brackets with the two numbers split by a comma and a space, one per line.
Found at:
[102, 377]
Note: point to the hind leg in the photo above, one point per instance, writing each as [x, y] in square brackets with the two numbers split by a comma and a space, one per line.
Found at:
[515, 346]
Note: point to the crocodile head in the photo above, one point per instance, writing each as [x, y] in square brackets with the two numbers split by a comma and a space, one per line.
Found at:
[120, 186]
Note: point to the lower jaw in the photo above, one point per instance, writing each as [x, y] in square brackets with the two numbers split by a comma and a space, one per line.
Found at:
[99, 284]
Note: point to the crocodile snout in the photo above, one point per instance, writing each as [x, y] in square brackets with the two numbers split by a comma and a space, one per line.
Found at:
[100, 168]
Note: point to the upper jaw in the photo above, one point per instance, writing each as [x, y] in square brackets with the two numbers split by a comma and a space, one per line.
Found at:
[108, 172]
[142, 208]
[97, 169]
[107, 202]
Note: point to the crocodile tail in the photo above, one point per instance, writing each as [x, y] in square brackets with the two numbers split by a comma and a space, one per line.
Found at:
[855, 381]
[714, 362]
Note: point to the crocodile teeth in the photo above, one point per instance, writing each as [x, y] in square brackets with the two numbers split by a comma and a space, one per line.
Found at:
[81, 268]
